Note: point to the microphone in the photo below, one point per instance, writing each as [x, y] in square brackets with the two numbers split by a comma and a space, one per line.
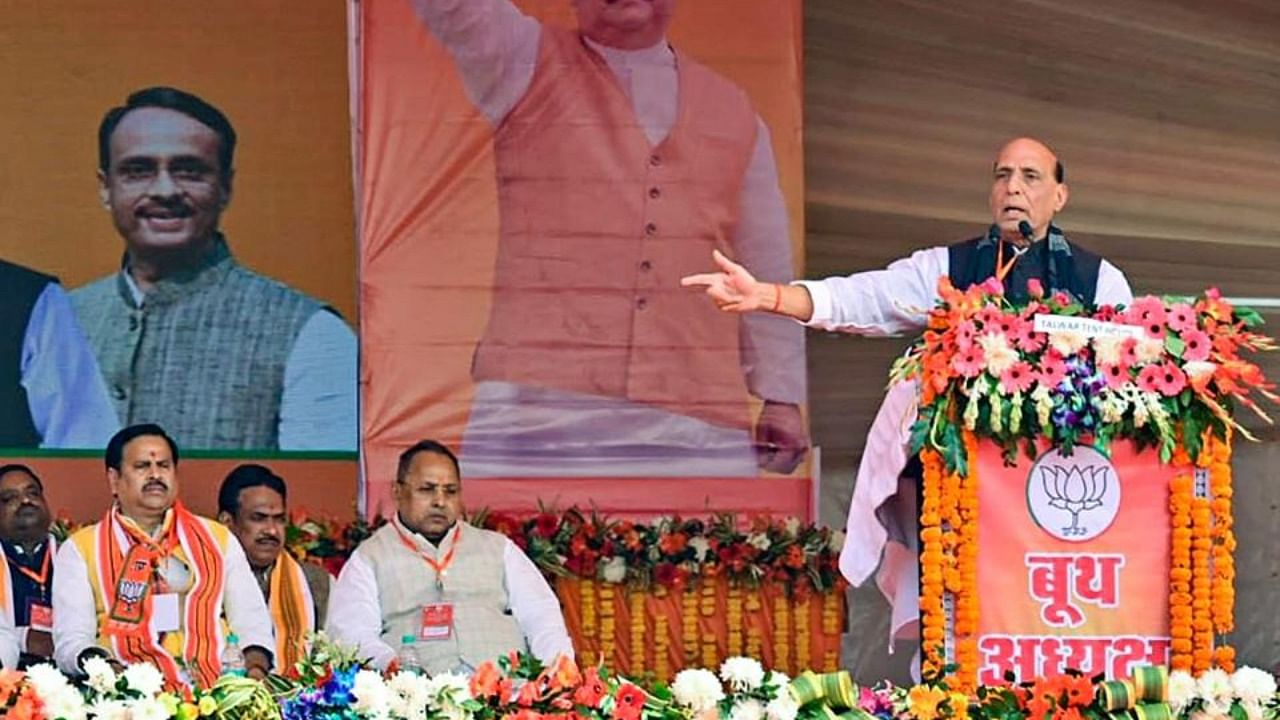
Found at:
[1027, 231]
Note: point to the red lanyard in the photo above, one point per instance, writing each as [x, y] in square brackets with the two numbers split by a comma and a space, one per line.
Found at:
[439, 566]
[38, 578]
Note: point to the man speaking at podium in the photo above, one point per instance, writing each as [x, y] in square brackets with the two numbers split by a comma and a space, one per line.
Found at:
[1028, 188]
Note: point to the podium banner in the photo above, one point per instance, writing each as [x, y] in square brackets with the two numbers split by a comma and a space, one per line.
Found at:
[1073, 570]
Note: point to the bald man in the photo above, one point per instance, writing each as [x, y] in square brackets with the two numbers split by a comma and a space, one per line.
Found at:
[1028, 189]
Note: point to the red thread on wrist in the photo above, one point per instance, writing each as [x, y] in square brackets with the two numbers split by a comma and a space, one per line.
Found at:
[777, 299]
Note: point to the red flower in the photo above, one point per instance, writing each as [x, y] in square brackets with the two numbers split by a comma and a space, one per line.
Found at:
[545, 525]
[628, 703]
[592, 690]
[669, 575]
[1080, 691]
[673, 543]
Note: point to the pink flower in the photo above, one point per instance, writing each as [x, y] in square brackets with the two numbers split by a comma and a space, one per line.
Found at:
[1117, 375]
[1026, 339]
[1017, 378]
[1035, 289]
[965, 333]
[1129, 352]
[1155, 329]
[1172, 380]
[1147, 309]
[1061, 299]
[1181, 317]
[1197, 345]
[1106, 313]
[1052, 370]
[992, 286]
[1149, 379]
[969, 363]
[990, 317]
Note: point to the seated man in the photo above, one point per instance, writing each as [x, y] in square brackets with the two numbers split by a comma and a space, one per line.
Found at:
[466, 595]
[252, 503]
[26, 577]
[152, 582]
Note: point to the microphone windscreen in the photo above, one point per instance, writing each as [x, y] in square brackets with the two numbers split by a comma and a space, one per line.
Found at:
[1024, 227]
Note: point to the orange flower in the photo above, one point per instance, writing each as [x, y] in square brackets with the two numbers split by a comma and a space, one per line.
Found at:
[563, 673]
[673, 543]
[923, 701]
[486, 680]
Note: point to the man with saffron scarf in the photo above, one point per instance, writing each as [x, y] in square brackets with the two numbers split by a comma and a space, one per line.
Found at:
[251, 502]
[26, 571]
[1021, 248]
[152, 582]
[466, 595]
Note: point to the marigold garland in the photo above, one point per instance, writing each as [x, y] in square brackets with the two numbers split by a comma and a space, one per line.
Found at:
[830, 614]
[782, 634]
[689, 626]
[932, 563]
[587, 596]
[707, 608]
[965, 623]
[639, 630]
[734, 618]
[1223, 592]
[1181, 494]
[755, 638]
[608, 622]
[803, 637]
[661, 647]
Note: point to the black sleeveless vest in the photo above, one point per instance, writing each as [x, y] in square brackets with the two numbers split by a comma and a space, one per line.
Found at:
[1055, 262]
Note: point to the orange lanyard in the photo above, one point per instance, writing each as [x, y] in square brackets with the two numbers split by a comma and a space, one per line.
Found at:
[440, 566]
[38, 578]
[1003, 268]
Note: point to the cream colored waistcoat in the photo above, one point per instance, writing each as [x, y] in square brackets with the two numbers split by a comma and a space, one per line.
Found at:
[475, 583]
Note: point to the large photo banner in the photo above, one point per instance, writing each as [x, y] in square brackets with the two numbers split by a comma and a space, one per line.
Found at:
[1073, 562]
[178, 234]
[534, 179]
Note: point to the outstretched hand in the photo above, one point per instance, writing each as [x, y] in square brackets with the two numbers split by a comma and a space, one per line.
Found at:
[733, 289]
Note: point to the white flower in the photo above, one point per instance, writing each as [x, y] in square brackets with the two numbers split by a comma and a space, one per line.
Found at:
[145, 678]
[1182, 690]
[148, 708]
[1107, 348]
[1149, 350]
[783, 707]
[1214, 687]
[749, 709]
[1252, 710]
[1067, 342]
[792, 526]
[997, 352]
[102, 678]
[701, 546]
[60, 699]
[742, 673]
[110, 710]
[697, 689]
[371, 694]
[759, 541]
[408, 696]
[614, 569]
[1252, 685]
[1197, 369]
[835, 543]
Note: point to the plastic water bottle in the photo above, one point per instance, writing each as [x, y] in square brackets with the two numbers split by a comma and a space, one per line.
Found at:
[233, 657]
[407, 656]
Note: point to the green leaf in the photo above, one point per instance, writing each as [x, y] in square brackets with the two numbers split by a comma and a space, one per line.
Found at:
[1249, 317]
[1174, 345]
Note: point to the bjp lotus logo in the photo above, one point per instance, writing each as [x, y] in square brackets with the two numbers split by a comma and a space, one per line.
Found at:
[1073, 498]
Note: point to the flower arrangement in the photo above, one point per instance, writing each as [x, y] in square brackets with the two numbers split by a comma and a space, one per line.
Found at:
[671, 552]
[1246, 694]
[1160, 372]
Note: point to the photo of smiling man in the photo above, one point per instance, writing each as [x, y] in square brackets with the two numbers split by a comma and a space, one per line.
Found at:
[186, 337]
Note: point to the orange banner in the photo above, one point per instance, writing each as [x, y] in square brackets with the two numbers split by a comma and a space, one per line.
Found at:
[534, 180]
[1073, 564]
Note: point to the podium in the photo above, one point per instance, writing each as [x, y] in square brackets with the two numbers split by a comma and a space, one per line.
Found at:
[1076, 491]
